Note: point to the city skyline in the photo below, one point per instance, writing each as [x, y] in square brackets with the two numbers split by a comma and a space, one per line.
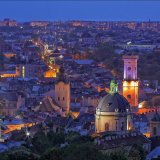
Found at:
[80, 10]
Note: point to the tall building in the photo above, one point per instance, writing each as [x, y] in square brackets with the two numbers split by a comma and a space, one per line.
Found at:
[62, 91]
[113, 112]
[130, 81]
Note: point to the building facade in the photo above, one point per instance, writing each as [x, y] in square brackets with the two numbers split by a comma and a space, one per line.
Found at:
[113, 112]
[130, 80]
[62, 91]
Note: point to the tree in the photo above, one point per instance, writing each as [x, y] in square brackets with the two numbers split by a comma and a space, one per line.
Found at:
[52, 154]
[42, 142]
[118, 155]
[83, 151]
[21, 153]
[136, 153]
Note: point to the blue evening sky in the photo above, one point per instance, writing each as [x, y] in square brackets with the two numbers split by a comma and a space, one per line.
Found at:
[80, 10]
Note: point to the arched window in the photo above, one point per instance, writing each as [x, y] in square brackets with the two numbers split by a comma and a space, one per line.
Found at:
[122, 126]
[107, 126]
[129, 96]
[154, 131]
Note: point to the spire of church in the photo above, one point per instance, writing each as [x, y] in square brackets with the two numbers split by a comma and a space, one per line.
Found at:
[113, 87]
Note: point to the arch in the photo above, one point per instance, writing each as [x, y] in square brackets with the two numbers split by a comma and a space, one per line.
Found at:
[106, 126]
[154, 130]
[122, 126]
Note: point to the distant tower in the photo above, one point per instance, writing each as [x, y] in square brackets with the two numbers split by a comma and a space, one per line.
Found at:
[62, 91]
[130, 81]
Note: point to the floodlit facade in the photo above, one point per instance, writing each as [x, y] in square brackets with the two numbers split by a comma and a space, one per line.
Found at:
[113, 112]
[130, 81]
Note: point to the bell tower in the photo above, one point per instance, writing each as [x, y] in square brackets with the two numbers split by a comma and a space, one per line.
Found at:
[130, 80]
[62, 91]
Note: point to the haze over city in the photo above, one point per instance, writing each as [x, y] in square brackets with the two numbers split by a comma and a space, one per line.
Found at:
[81, 10]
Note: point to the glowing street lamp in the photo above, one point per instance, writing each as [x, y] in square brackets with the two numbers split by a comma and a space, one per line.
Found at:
[61, 56]
[27, 134]
[129, 43]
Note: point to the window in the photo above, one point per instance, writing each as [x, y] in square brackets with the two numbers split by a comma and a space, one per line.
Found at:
[58, 99]
[129, 96]
[107, 126]
[129, 68]
[110, 104]
[63, 98]
[122, 126]
[154, 130]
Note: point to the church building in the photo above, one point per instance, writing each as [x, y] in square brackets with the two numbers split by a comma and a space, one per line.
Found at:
[113, 112]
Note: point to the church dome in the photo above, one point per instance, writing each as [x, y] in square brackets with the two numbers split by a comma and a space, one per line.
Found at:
[113, 103]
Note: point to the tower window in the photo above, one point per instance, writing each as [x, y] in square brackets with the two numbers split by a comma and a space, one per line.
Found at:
[107, 126]
[129, 96]
[63, 98]
[122, 126]
[110, 104]
[154, 131]
[58, 99]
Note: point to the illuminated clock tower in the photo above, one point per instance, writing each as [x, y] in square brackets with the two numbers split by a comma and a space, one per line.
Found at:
[130, 81]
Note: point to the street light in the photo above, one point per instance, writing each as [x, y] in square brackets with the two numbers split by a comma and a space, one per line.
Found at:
[129, 43]
[27, 134]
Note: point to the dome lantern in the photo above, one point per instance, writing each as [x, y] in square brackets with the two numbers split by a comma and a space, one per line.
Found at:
[113, 87]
